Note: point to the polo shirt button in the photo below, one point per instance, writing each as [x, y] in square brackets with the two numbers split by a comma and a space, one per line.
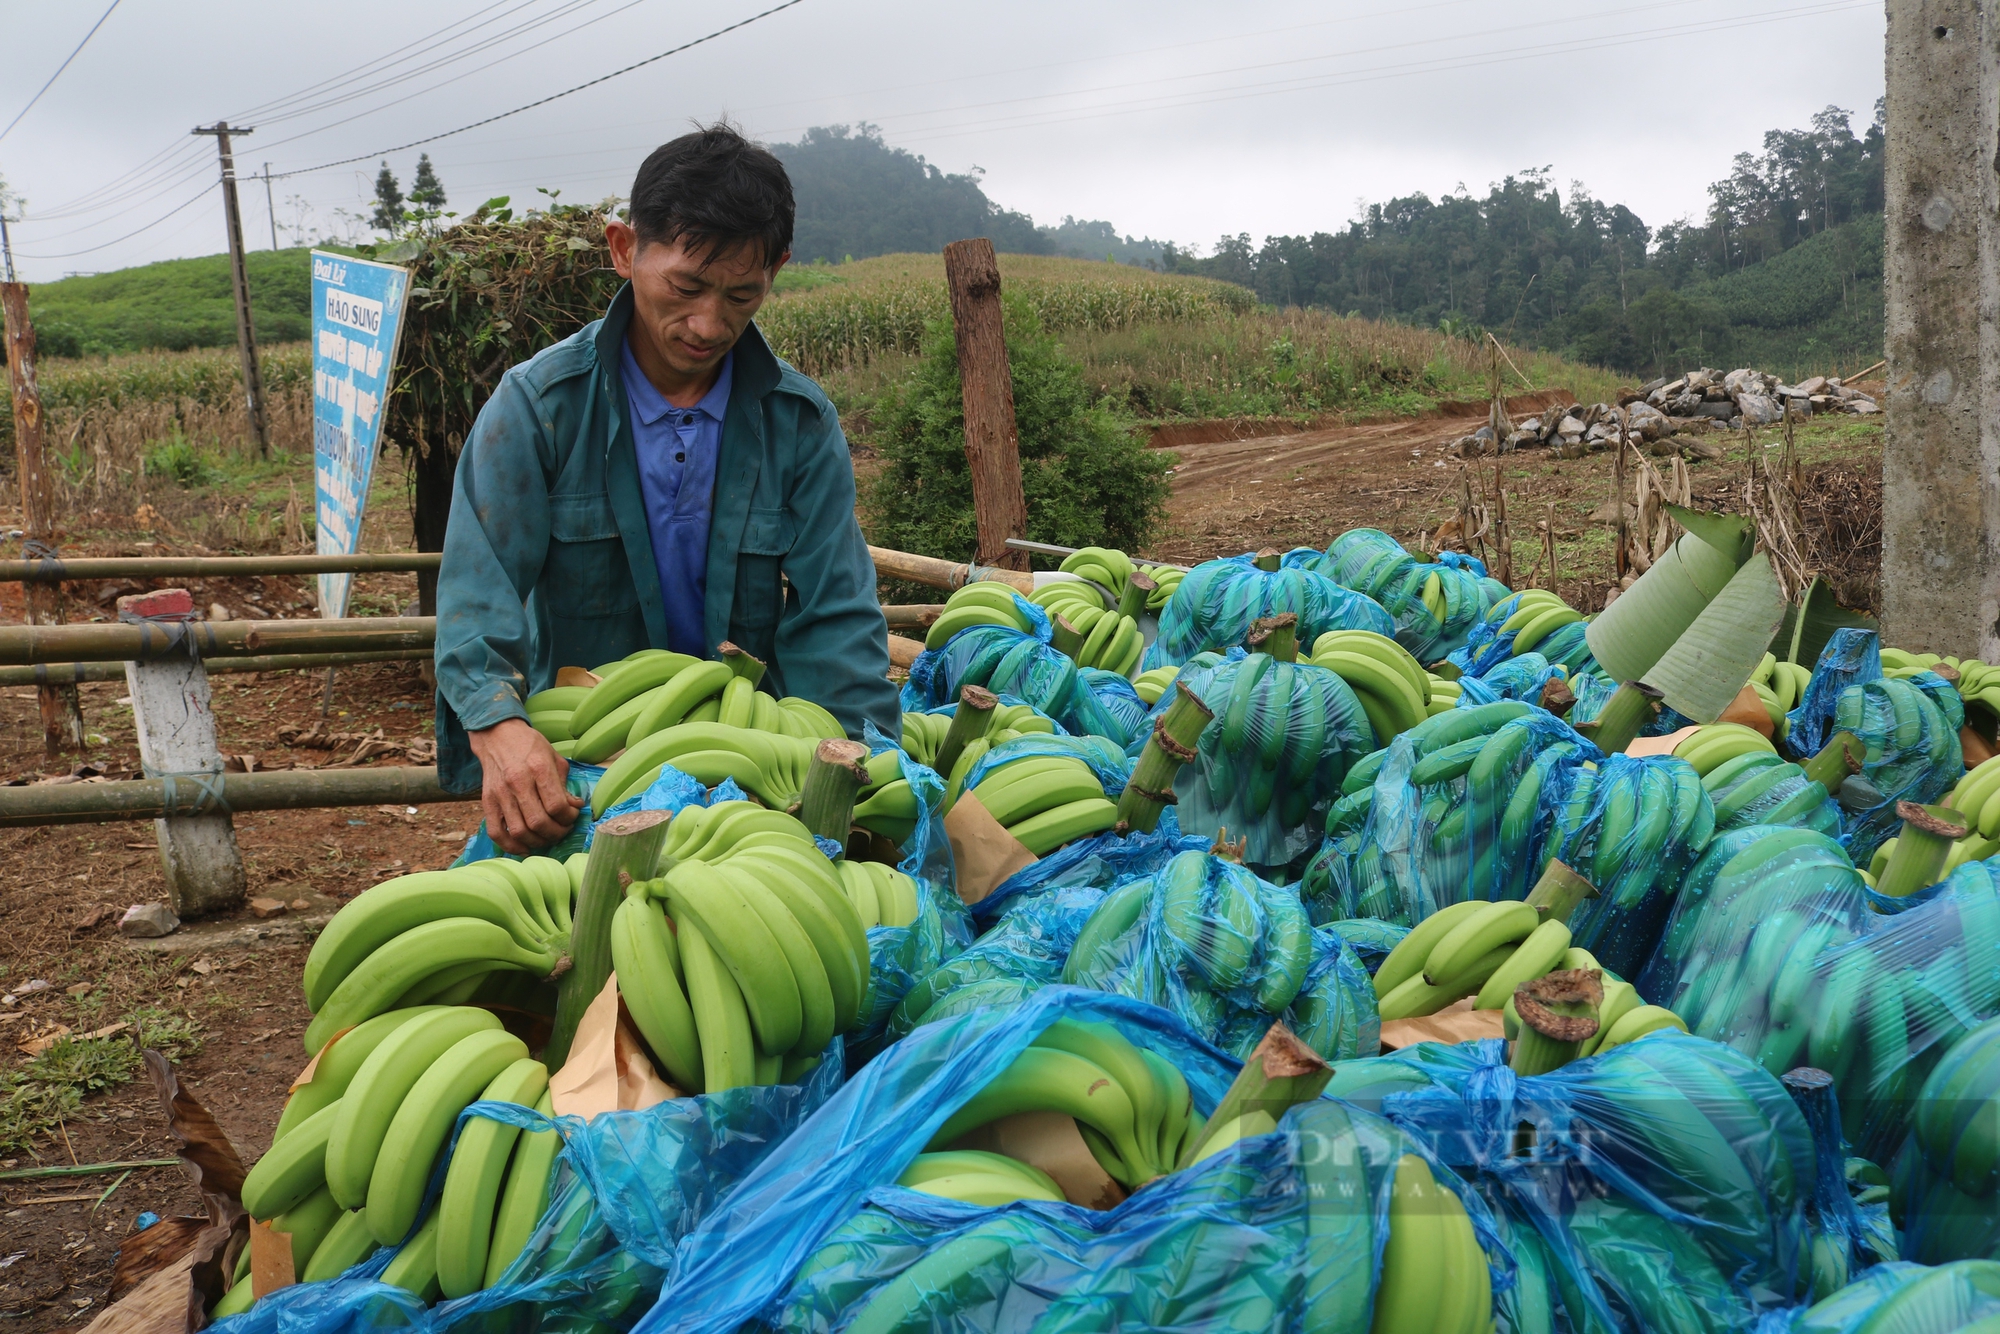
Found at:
[680, 458]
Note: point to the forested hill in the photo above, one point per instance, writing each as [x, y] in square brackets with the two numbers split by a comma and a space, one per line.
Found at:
[1786, 269]
[859, 197]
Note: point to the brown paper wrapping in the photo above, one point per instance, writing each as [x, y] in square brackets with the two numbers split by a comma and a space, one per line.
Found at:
[270, 1259]
[983, 853]
[1660, 745]
[1049, 1140]
[1454, 1024]
[1748, 708]
[607, 1070]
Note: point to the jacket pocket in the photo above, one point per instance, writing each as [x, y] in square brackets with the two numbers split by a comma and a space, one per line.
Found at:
[768, 532]
[585, 574]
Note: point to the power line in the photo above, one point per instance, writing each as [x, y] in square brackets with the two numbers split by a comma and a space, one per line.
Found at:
[544, 101]
[71, 254]
[59, 69]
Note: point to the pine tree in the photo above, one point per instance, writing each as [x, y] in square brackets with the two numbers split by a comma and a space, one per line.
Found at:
[388, 201]
[426, 190]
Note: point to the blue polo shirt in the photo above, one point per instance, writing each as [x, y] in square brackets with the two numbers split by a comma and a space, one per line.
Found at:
[677, 451]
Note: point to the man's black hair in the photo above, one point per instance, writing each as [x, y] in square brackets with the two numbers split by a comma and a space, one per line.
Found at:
[717, 191]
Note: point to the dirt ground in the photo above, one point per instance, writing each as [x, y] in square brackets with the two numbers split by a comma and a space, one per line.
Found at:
[1237, 487]
[71, 884]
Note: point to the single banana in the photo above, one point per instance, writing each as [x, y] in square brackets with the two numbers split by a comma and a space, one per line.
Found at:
[1535, 956]
[625, 684]
[414, 1269]
[348, 1242]
[728, 1054]
[292, 1168]
[646, 958]
[1504, 923]
[816, 1023]
[525, 1197]
[1043, 1079]
[464, 1214]
[1044, 833]
[335, 1066]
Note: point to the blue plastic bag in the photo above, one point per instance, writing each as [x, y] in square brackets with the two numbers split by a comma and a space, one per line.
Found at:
[578, 783]
[1851, 657]
[1284, 1228]
[629, 1187]
[1649, 819]
[1215, 604]
[1910, 731]
[1370, 561]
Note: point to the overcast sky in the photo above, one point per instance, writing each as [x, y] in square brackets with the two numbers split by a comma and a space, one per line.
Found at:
[1169, 118]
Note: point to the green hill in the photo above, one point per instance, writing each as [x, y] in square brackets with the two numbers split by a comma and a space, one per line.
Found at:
[174, 304]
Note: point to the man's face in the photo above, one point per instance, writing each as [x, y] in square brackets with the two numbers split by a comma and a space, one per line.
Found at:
[691, 306]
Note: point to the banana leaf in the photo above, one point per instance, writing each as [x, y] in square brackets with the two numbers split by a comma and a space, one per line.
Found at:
[1731, 534]
[1813, 621]
[1712, 661]
[1632, 634]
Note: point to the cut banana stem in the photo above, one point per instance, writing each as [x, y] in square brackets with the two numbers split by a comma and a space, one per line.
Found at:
[1559, 891]
[1922, 847]
[1280, 1073]
[1840, 757]
[1277, 636]
[1151, 787]
[740, 663]
[1625, 715]
[1067, 640]
[1132, 599]
[969, 722]
[1558, 1014]
[622, 849]
[826, 798]
[1267, 559]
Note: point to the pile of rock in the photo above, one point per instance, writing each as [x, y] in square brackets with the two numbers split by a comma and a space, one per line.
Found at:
[1750, 398]
[1662, 415]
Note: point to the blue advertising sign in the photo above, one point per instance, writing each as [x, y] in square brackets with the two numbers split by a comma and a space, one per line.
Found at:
[357, 308]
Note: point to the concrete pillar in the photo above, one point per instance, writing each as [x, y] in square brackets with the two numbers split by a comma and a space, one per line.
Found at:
[176, 726]
[1941, 461]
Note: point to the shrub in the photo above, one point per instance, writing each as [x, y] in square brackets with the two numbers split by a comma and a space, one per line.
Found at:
[178, 457]
[1086, 473]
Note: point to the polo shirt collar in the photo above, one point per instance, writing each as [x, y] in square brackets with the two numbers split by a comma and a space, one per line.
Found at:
[649, 405]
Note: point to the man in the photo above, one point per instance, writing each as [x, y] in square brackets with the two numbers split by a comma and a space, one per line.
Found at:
[659, 479]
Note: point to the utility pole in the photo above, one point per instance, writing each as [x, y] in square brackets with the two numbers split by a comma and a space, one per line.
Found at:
[1940, 493]
[270, 209]
[6, 242]
[62, 718]
[246, 339]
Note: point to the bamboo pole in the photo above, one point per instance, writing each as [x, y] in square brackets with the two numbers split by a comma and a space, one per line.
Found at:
[912, 616]
[23, 644]
[75, 673]
[286, 789]
[211, 567]
[943, 574]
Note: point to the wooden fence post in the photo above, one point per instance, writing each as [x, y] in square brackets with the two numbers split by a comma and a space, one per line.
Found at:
[176, 725]
[62, 716]
[992, 444]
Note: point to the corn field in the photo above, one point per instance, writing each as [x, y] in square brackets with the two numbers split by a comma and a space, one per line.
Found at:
[113, 423]
[881, 306]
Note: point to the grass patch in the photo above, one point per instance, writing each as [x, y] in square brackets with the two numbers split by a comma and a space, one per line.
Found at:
[38, 1095]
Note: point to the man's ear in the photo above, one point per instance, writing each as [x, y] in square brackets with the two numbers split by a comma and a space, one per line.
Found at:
[624, 244]
[779, 263]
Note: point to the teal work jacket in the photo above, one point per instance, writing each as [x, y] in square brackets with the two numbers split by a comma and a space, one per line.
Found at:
[548, 561]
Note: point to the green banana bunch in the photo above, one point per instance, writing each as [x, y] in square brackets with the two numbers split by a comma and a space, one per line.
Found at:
[1759, 788]
[1444, 694]
[923, 733]
[1153, 683]
[980, 603]
[1714, 744]
[436, 936]
[1226, 931]
[1468, 949]
[1392, 686]
[1166, 579]
[759, 957]
[1136, 1114]
[769, 765]
[1957, 1123]
[1977, 797]
[655, 690]
[1045, 801]
[1066, 596]
[1535, 612]
[1435, 1279]
[1111, 641]
[974, 1176]
[881, 895]
[1101, 565]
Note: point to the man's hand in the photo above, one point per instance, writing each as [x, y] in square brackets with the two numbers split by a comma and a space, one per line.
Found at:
[526, 805]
